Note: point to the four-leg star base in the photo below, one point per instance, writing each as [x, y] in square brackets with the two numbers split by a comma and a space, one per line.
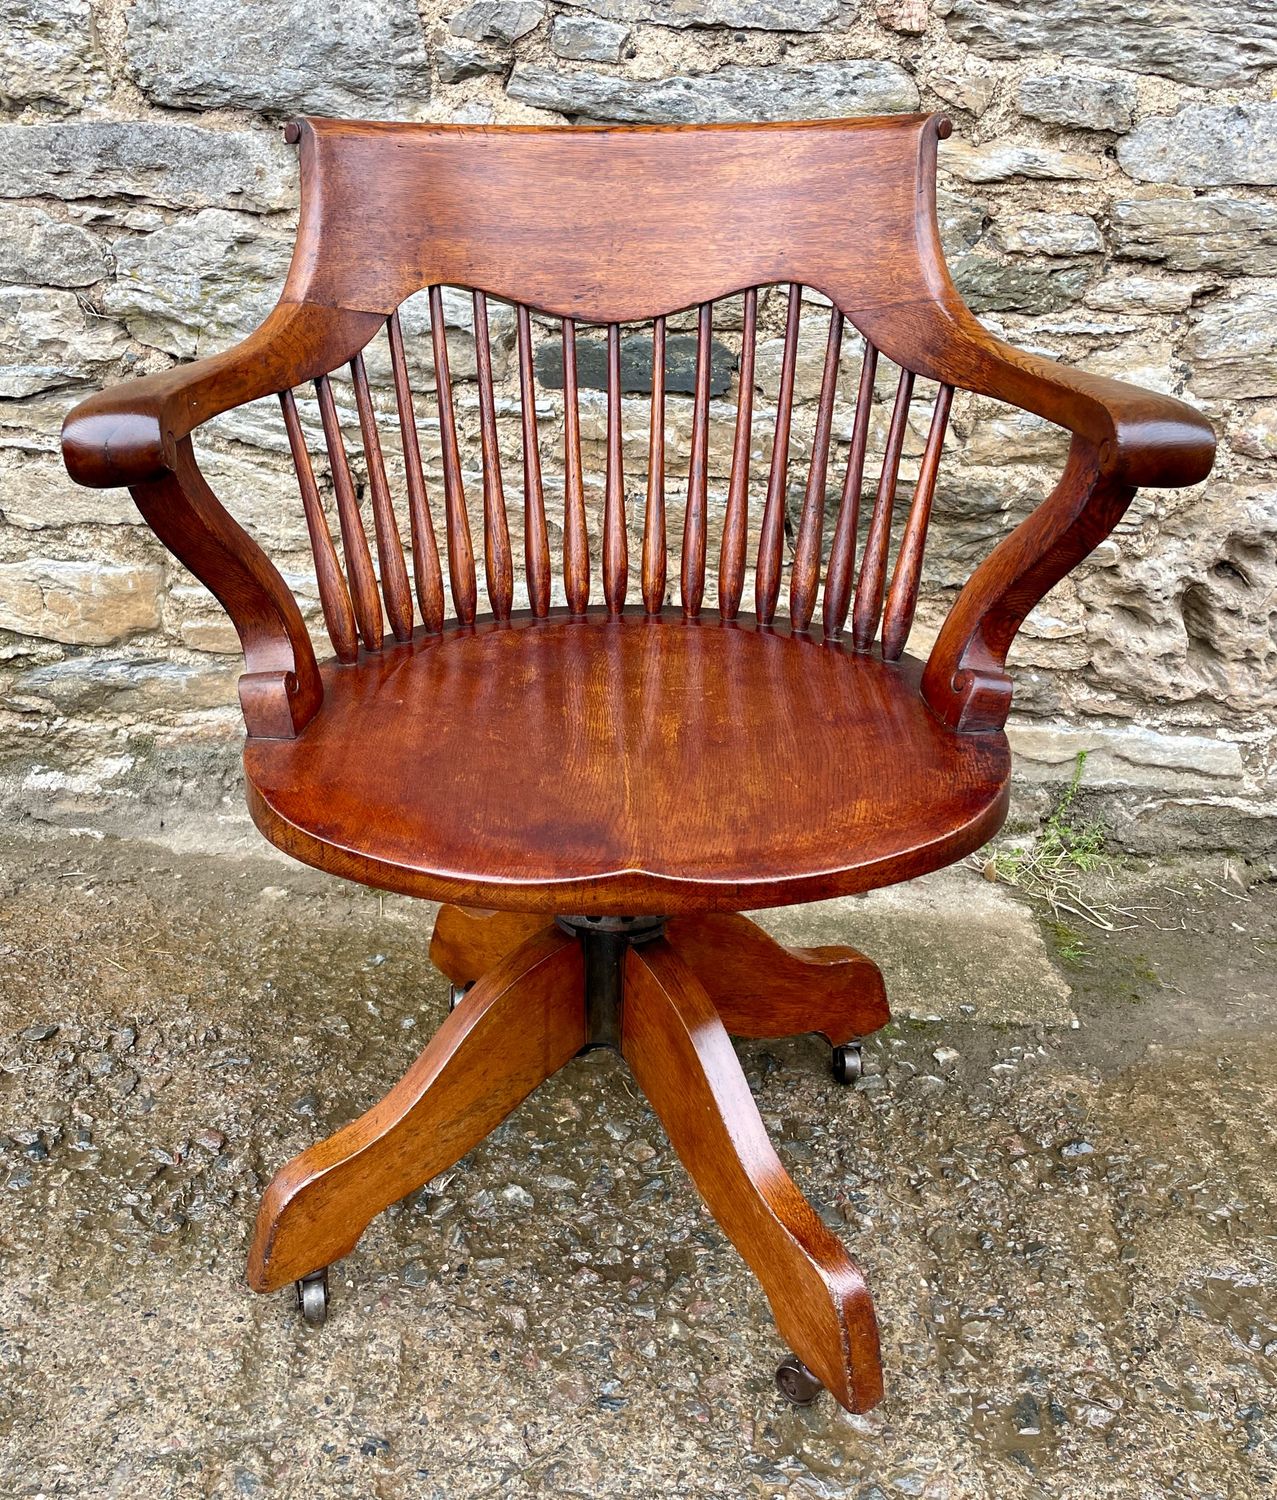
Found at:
[667, 995]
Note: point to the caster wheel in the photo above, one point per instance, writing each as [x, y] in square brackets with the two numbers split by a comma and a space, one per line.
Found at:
[796, 1382]
[312, 1297]
[455, 992]
[847, 1063]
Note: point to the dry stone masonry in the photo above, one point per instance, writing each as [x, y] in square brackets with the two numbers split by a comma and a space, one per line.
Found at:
[1109, 197]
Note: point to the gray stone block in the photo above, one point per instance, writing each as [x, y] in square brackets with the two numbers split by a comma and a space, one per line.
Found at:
[47, 339]
[39, 249]
[458, 60]
[361, 57]
[180, 166]
[992, 285]
[1204, 145]
[1208, 43]
[1048, 234]
[48, 55]
[636, 364]
[198, 285]
[502, 21]
[1198, 234]
[1231, 349]
[588, 39]
[998, 161]
[748, 15]
[797, 91]
[1092, 103]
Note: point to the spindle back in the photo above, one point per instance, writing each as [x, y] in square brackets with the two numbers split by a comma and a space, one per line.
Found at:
[772, 507]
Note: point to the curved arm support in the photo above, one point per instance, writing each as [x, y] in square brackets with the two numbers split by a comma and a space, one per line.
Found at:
[1124, 437]
[129, 434]
[281, 690]
[965, 681]
[138, 434]
[1141, 438]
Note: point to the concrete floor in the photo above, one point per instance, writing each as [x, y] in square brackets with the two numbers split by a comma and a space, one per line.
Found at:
[1059, 1177]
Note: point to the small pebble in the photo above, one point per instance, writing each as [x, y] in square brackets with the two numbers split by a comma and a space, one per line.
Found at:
[40, 1033]
[1027, 1415]
[416, 1273]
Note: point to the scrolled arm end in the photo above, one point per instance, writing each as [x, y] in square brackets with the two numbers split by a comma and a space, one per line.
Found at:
[138, 435]
[115, 438]
[1158, 442]
[1124, 438]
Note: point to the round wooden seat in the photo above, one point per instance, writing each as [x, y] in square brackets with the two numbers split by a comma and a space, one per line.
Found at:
[626, 765]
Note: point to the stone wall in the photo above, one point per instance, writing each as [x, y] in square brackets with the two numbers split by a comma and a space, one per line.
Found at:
[1107, 197]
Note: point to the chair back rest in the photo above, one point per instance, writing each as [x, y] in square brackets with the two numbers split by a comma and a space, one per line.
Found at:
[662, 227]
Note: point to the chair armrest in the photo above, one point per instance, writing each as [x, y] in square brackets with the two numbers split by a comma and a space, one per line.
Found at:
[129, 433]
[1142, 438]
[1123, 437]
[138, 434]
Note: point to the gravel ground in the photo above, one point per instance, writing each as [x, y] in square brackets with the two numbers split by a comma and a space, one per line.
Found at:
[1067, 1221]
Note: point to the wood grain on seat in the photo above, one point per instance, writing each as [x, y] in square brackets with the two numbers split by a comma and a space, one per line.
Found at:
[616, 765]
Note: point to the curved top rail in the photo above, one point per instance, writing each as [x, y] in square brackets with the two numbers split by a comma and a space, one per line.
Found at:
[610, 224]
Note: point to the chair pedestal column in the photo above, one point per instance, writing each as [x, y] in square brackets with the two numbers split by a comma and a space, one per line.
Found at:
[604, 943]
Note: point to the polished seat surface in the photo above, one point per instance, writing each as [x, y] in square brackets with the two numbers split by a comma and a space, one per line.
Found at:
[630, 764]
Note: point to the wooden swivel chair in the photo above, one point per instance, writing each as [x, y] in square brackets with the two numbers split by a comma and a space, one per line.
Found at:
[598, 787]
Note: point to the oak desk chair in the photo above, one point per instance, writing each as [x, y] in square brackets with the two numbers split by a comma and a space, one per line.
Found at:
[598, 788]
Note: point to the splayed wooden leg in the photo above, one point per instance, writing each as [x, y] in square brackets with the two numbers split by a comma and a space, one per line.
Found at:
[761, 988]
[519, 1024]
[470, 940]
[683, 1060]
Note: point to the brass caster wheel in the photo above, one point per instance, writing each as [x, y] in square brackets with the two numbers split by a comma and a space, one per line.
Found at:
[847, 1063]
[796, 1382]
[312, 1297]
[455, 992]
